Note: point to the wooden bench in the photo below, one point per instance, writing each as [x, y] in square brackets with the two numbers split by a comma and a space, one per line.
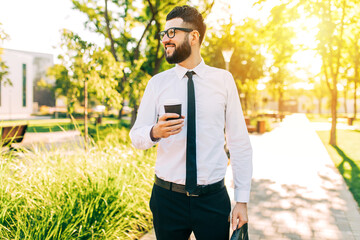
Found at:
[250, 127]
[276, 116]
[12, 134]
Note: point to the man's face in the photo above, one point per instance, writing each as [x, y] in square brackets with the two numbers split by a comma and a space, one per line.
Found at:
[177, 49]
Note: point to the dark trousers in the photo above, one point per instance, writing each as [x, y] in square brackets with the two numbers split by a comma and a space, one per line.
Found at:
[177, 215]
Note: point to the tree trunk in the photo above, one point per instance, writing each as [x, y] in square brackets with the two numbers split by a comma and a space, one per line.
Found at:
[345, 99]
[157, 65]
[120, 113]
[356, 68]
[355, 87]
[334, 73]
[133, 115]
[333, 116]
[280, 103]
[157, 59]
[355, 83]
[108, 29]
[121, 88]
[86, 114]
[121, 110]
[137, 48]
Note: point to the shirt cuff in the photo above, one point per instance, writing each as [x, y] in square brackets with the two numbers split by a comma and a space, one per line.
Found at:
[241, 196]
[152, 137]
[156, 140]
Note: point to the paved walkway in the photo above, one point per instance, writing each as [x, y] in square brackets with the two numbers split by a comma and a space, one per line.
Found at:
[52, 140]
[297, 193]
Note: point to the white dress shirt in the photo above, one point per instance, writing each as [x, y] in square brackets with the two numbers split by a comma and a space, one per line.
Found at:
[217, 106]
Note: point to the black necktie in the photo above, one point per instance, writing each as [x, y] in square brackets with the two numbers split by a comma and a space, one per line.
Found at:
[191, 175]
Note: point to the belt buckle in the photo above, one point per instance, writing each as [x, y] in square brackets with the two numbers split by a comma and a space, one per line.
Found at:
[191, 194]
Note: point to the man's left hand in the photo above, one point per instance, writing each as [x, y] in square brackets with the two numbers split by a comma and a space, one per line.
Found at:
[239, 215]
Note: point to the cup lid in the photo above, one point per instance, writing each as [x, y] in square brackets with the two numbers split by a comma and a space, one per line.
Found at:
[172, 101]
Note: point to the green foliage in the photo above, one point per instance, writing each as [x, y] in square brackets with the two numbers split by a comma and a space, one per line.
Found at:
[83, 61]
[247, 51]
[64, 86]
[246, 63]
[113, 132]
[3, 66]
[337, 41]
[51, 127]
[351, 59]
[142, 56]
[97, 131]
[62, 194]
[115, 21]
[279, 37]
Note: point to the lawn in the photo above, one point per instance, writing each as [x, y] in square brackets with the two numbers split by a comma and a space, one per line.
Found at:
[327, 118]
[60, 194]
[63, 124]
[346, 157]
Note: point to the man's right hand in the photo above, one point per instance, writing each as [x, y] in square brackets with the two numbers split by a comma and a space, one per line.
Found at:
[164, 129]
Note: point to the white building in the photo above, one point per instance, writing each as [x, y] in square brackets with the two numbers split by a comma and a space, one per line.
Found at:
[22, 99]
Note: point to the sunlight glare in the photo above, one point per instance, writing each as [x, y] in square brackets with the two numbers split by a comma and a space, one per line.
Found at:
[340, 87]
[303, 85]
[260, 86]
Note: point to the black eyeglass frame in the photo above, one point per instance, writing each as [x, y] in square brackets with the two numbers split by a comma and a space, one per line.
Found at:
[162, 33]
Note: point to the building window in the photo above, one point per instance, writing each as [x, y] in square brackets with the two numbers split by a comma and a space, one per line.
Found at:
[24, 85]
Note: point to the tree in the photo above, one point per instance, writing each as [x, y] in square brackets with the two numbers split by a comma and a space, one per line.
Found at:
[331, 37]
[86, 69]
[280, 34]
[246, 63]
[141, 55]
[3, 66]
[352, 38]
[355, 57]
[319, 91]
[332, 16]
[63, 86]
[115, 21]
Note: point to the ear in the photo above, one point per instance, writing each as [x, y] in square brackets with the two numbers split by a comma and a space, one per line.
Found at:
[194, 38]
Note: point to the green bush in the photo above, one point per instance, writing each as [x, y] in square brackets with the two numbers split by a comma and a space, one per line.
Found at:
[116, 133]
[62, 194]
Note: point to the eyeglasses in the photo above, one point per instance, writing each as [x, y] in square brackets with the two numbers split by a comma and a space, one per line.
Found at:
[171, 32]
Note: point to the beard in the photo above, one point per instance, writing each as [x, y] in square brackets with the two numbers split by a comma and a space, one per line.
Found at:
[180, 53]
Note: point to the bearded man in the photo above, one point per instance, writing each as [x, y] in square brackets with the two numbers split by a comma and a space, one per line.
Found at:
[189, 194]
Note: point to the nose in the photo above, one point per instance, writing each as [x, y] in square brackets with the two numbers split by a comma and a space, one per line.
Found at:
[165, 40]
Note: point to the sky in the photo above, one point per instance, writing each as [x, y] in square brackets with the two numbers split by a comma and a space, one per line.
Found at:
[34, 25]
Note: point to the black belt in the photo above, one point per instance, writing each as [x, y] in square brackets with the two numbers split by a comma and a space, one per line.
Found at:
[200, 189]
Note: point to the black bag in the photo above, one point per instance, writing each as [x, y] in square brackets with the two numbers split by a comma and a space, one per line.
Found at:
[240, 233]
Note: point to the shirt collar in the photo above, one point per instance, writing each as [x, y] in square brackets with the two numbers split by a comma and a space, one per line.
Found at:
[199, 70]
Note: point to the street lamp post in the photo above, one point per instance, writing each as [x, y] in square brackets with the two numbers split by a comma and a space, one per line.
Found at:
[227, 56]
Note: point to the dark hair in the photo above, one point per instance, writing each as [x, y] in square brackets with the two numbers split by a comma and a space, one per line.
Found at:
[189, 15]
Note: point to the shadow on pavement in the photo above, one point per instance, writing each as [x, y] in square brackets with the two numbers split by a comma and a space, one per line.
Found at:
[352, 179]
[294, 212]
